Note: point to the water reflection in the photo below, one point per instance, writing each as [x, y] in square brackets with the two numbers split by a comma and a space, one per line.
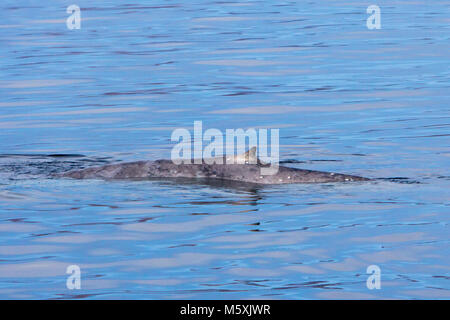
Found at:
[347, 99]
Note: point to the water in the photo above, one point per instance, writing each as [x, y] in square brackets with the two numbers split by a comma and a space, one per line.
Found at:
[346, 99]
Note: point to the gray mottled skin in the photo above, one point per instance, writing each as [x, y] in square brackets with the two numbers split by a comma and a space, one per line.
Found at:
[250, 173]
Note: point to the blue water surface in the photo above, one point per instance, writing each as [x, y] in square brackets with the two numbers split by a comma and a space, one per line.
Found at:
[345, 98]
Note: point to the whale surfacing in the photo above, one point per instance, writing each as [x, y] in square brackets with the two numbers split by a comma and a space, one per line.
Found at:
[245, 172]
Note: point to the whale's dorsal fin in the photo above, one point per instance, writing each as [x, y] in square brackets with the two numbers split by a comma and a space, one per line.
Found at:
[250, 156]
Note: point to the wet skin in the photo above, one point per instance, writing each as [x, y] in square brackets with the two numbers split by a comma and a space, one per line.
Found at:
[250, 173]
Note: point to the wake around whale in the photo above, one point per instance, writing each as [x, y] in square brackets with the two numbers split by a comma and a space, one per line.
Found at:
[244, 168]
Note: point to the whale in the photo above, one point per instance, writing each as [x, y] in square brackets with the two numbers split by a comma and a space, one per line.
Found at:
[245, 167]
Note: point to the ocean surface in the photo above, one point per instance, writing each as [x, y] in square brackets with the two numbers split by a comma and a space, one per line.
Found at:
[345, 98]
